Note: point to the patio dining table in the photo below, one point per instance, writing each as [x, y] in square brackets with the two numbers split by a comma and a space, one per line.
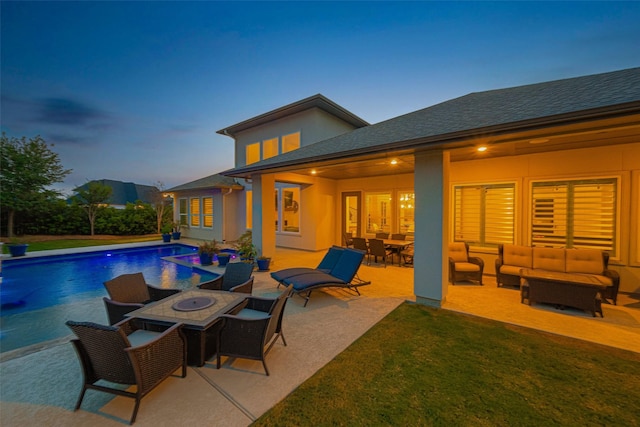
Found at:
[397, 246]
[199, 311]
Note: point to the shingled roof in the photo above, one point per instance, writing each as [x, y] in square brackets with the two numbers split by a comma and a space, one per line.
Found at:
[481, 113]
[211, 181]
[125, 192]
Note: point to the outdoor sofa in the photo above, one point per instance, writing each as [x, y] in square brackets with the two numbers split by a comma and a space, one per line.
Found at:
[558, 276]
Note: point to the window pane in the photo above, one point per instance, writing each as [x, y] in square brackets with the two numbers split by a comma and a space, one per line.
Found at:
[378, 212]
[183, 211]
[467, 214]
[291, 212]
[290, 142]
[207, 211]
[499, 217]
[269, 148]
[406, 213]
[594, 212]
[249, 201]
[253, 153]
[195, 212]
[549, 215]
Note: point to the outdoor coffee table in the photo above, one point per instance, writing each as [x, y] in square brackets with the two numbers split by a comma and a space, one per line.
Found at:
[199, 311]
[563, 289]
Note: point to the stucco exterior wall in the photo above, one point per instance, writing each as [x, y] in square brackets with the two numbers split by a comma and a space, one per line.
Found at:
[314, 125]
[616, 160]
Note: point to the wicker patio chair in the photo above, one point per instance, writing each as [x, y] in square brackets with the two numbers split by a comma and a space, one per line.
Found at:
[382, 235]
[360, 243]
[462, 266]
[377, 249]
[253, 331]
[236, 278]
[124, 354]
[129, 292]
[348, 239]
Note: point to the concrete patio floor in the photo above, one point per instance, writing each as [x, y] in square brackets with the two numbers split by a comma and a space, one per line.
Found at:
[41, 388]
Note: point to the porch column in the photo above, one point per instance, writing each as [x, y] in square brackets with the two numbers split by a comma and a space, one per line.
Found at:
[432, 227]
[264, 214]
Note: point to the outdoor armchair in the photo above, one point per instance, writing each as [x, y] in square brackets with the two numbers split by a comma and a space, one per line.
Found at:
[253, 331]
[129, 292]
[462, 266]
[236, 278]
[125, 354]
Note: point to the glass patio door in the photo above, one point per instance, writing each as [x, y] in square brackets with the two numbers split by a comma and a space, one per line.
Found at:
[351, 205]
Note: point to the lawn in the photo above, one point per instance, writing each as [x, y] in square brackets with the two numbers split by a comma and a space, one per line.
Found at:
[43, 243]
[422, 366]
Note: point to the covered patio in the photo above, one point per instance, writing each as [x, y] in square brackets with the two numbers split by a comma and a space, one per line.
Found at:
[41, 387]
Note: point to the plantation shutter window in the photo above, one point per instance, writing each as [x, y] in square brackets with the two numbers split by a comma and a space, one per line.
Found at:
[207, 212]
[484, 215]
[195, 212]
[575, 214]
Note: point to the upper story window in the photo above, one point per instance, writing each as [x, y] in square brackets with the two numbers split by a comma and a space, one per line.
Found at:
[272, 147]
[269, 148]
[253, 153]
[290, 142]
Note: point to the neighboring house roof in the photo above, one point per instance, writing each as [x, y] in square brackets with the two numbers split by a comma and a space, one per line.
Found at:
[211, 181]
[483, 113]
[125, 192]
[315, 101]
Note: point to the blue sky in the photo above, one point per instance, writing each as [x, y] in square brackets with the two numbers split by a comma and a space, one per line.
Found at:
[135, 91]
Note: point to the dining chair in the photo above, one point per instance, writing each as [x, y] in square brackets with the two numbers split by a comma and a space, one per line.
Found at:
[378, 249]
[360, 243]
[382, 235]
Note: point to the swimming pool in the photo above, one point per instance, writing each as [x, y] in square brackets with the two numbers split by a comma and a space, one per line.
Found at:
[39, 294]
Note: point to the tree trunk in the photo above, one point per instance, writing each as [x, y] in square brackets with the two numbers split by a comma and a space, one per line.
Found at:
[10, 223]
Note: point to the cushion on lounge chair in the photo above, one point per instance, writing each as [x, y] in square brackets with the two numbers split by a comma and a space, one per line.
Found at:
[305, 281]
[348, 264]
[326, 265]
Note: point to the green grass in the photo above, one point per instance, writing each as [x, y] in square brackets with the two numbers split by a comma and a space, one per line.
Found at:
[43, 243]
[422, 367]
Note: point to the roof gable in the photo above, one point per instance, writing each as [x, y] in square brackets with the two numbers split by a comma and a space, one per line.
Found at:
[211, 181]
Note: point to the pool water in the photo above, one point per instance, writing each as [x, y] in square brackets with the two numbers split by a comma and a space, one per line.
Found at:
[37, 294]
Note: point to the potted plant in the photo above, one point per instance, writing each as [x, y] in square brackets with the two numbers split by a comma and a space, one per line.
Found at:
[17, 248]
[166, 233]
[223, 258]
[263, 263]
[207, 250]
[246, 248]
[177, 227]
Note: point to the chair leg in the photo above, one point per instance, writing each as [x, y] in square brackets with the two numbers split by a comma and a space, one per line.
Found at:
[264, 364]
[79, 402]
[135, 410]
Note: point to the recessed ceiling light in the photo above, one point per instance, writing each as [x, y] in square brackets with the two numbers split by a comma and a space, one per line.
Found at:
[394, 162]
[539, 141]
[313, 172]
[482, 148]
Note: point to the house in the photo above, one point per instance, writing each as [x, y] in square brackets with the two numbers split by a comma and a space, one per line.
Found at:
[125, 192]
[555, 164]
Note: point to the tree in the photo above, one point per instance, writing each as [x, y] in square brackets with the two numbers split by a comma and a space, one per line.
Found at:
[28, 168]
[91, 197]
[161, 203]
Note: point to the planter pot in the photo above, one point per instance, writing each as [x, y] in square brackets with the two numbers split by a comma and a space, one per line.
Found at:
[263, 264]
[166, 237]
[206, 259]
[223, 259]
[176, 235]
[18, 249]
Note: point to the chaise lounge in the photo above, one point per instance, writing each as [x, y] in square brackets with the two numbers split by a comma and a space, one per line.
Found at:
[342, 274]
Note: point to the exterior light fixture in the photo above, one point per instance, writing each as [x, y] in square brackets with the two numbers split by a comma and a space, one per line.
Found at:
[394, 162]
[313, 172]
[482, 148]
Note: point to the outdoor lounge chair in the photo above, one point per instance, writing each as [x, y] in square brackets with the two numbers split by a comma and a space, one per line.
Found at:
[236, 278]
[251, 332]
[124, 354]
[129, 292]
[326, 265]
[342, 275]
